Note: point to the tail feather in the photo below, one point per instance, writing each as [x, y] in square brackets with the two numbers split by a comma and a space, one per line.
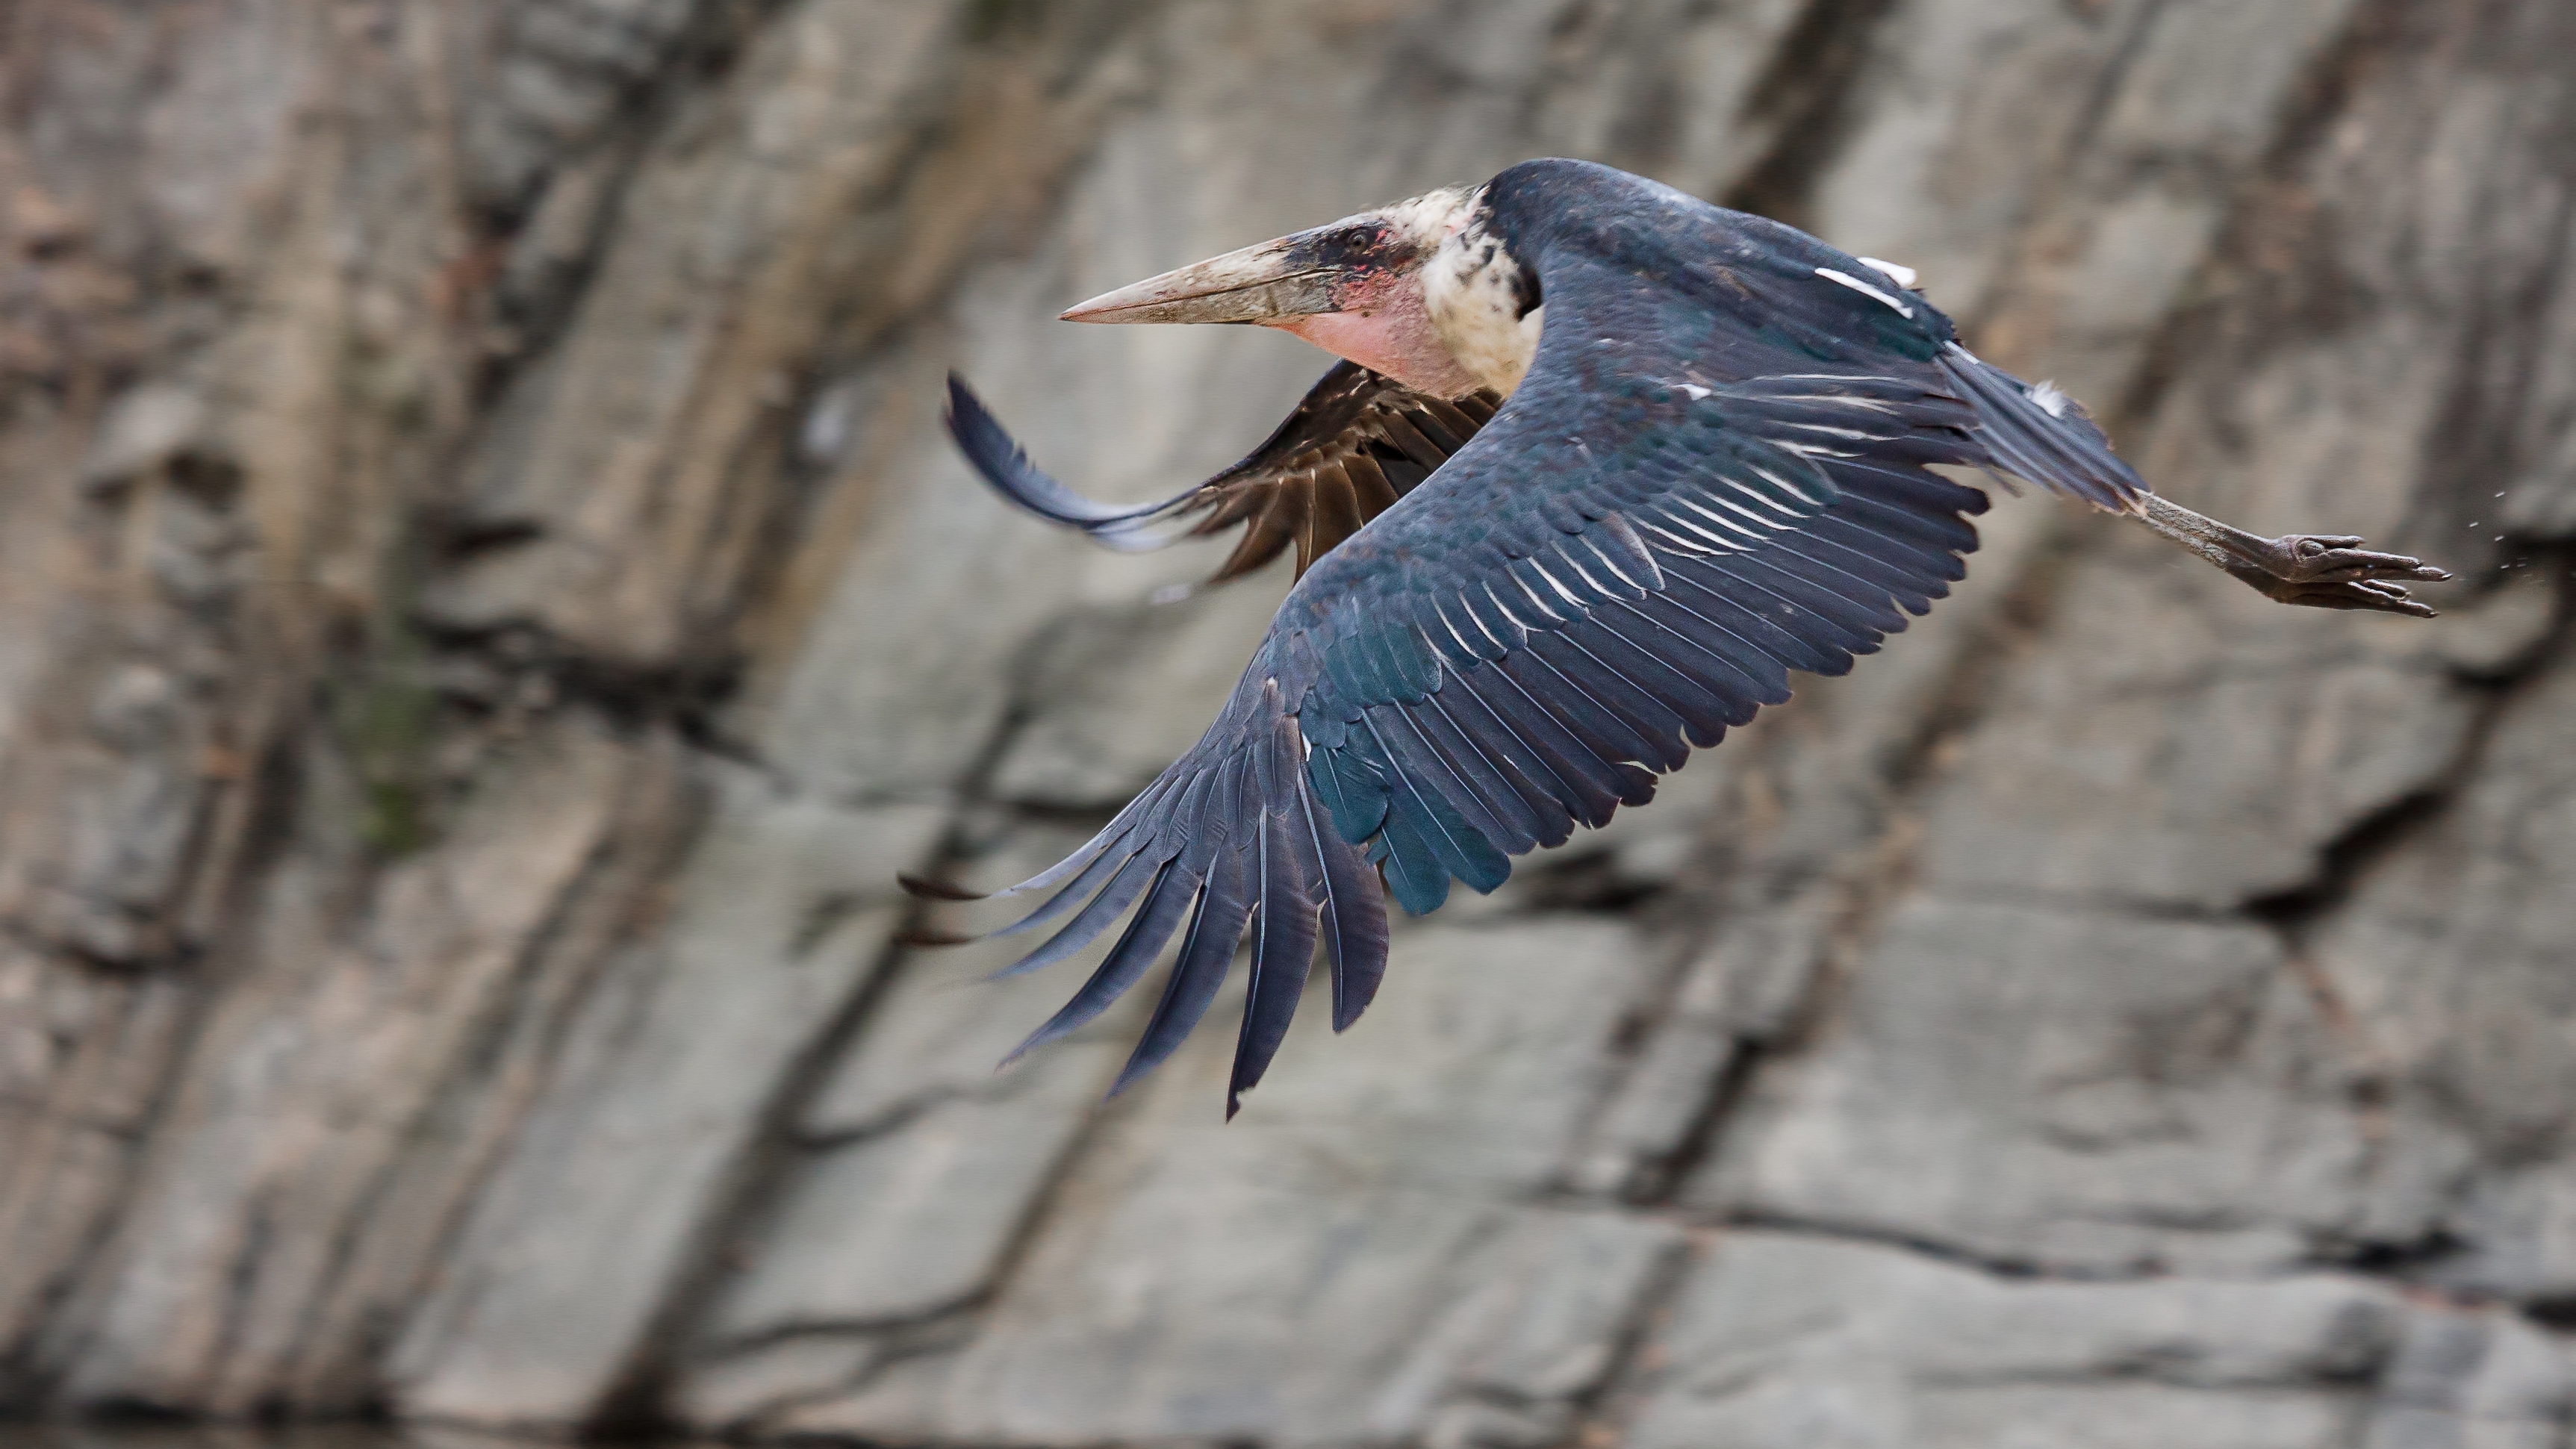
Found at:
[2041, 435]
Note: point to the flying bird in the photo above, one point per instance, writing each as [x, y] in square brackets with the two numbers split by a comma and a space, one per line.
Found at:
[1602, 463]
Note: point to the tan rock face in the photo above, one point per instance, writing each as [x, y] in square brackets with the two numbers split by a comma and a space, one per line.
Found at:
[486, 610]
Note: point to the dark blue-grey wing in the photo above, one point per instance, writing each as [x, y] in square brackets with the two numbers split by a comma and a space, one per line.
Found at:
[1495, 663]
[1515, 649]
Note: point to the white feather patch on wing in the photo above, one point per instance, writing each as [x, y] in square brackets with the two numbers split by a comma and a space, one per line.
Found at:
[1901, 276]
[1864, 288]
[2049, 399]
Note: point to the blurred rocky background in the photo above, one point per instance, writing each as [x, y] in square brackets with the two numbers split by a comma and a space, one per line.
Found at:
[486, 610]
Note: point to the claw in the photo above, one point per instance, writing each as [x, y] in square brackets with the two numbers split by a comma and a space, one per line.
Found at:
[2310, 558]
[2357, 564]
[2373, 595]
[2318, 570]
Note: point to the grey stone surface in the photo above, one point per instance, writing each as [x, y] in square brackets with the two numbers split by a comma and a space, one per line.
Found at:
[2061, 1088]
[1351, 1258]
[578, 1238]
[894, 1228]
[1784, 1340]
[2473, 1378]
[2454, 965]
[2256, 757]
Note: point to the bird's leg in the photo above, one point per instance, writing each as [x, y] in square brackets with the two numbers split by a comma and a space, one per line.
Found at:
[2320, 570]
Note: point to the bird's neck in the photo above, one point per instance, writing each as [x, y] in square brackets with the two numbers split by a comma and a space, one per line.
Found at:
[1483, 306]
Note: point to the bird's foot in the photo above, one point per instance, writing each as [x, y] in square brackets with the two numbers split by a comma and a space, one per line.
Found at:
[2330, 571]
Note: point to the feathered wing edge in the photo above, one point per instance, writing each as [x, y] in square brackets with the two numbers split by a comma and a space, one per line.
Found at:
[1230, 838]
[1001, 462]
[2040, 435]
[1355, 443]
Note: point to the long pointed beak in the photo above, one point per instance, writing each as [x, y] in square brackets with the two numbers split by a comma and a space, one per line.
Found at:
[1293, 276]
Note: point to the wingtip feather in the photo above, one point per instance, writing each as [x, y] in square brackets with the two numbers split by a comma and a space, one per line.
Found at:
[935, 890]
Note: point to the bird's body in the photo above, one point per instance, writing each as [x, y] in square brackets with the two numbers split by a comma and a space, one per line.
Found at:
[1620, 461]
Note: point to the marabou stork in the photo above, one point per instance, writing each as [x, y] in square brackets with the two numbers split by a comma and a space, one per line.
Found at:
[1602, 464]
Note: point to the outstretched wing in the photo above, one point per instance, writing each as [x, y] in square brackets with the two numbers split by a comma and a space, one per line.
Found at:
[1357, 442]
[1714, 474]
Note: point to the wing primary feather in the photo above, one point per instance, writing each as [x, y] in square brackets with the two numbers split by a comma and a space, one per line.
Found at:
[1166, 901]
[1706, 699]
[1546, 793]
[1846, 624]
[1133, 876]
[1352, 918]
[1001, 462]
[1867, 600]
[1265, 537]
[1459, 848]
[1080, 889]
[1592, 782]
[1649, 731]
[1224, 906]
[1110, 834]
[1222, 816]
[1283, 950]
[1524, 811]
[1492, 813]
[1735, 667]
[1797, 633]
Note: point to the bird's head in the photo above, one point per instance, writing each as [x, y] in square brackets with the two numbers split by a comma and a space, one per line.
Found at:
[1354, 288]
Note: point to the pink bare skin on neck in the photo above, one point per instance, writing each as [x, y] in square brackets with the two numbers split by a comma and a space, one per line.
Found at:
[1383, 326]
